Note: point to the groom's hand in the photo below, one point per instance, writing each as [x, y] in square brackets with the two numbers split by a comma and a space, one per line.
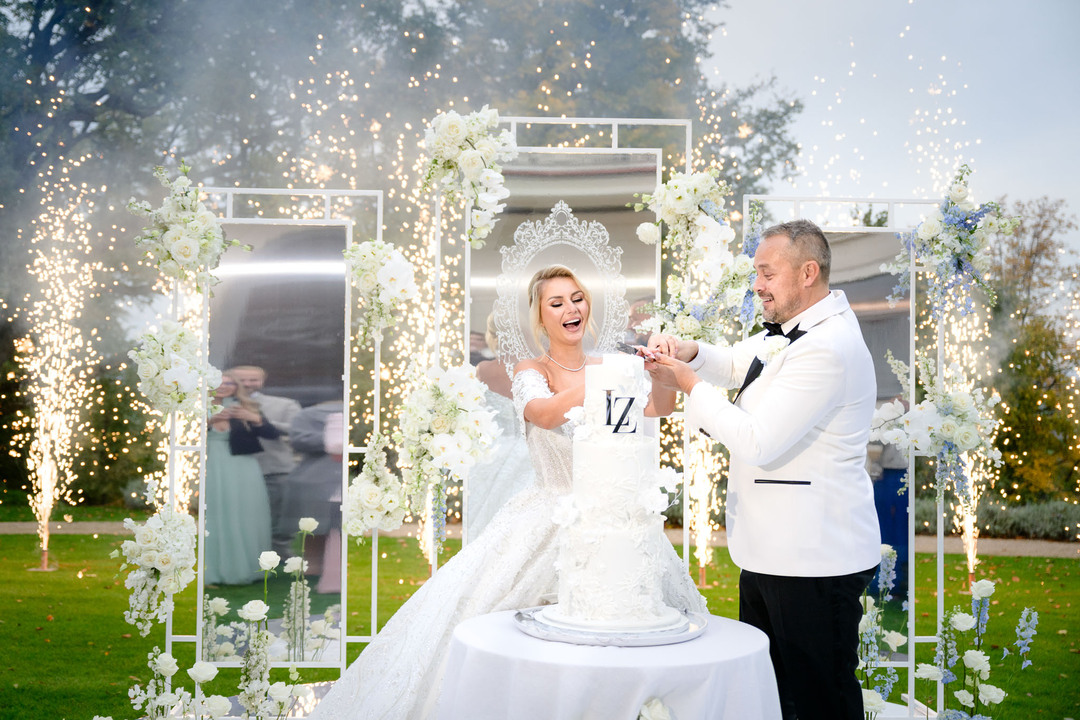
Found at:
[672, 373]
[685, 350]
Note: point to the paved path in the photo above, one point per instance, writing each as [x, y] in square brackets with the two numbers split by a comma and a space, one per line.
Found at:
[923, 543]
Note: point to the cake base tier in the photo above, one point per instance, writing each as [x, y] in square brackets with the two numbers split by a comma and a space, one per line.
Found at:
[534, 622]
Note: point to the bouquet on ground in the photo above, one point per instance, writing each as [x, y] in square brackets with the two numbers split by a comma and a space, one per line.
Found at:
[173, 373]
[954, 418]
[965, 673]
[162, 558]
[444, 429]
[466, 158]
[182, 238]
[384, 280]
[375, 498]
[952, 244]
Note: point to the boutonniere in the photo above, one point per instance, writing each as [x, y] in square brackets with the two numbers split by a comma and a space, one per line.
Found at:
[772, 347]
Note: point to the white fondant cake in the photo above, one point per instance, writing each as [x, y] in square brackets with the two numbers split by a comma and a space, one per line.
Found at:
[611, 525]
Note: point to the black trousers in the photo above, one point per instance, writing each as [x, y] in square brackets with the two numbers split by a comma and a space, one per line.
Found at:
[813, 629]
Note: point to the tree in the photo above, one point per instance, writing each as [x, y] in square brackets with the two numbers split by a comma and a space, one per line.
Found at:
[1038, 282]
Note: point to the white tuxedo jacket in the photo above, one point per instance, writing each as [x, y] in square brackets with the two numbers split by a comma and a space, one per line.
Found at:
[800, 502]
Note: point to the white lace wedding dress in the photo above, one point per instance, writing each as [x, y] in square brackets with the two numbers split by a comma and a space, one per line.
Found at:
[510, 566]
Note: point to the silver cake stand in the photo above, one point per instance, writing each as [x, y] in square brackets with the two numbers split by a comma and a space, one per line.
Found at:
[531, 622]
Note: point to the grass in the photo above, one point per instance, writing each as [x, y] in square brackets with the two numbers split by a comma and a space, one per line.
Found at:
[71, 655]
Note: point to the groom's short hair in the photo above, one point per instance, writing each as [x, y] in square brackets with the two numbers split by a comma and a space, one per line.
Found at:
[808, 241]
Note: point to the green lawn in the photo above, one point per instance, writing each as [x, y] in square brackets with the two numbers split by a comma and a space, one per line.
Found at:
[71, 655]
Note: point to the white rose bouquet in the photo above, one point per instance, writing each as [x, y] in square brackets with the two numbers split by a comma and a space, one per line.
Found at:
[162, 558]
[182, 237]
[444, 429]
[951, 242]
[173, 373]
[966, 674]
[375, 497]
[466, 159]
[954, 418]
[384, 280]
[691, 205]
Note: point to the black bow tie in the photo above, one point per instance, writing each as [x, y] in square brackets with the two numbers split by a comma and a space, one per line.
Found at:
[772, 328]
[756, 366]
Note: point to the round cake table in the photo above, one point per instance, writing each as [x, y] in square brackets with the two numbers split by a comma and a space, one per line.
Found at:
[494, 671]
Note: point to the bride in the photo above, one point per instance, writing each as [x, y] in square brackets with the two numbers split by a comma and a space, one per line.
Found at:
[512, 564]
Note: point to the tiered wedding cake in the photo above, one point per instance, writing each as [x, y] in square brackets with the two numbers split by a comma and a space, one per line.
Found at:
[611, 530]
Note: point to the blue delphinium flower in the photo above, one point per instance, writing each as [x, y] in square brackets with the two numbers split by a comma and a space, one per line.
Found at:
[1025, 631]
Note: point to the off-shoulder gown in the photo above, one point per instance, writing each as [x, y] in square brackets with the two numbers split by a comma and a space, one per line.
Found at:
[511, 565]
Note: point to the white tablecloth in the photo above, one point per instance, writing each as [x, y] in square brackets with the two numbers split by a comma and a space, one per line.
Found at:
[496, 672]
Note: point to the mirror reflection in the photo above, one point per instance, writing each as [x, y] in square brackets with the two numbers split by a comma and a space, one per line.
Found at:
[599, 186]
[274, 453]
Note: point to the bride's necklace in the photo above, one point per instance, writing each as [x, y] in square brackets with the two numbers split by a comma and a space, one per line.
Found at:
[583, 361]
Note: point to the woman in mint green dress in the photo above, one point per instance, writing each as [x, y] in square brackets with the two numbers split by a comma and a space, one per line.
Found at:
[237, 505]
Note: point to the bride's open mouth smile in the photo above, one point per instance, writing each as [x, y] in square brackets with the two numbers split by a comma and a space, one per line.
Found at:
[572, 324]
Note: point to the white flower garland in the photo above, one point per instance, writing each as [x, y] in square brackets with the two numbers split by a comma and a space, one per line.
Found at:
[182, 237]
[444, 429]
[375, 498]
[951, 242]
[691, 205]
[384, 280]
[163, 559]
[466, 157]
[173, 373]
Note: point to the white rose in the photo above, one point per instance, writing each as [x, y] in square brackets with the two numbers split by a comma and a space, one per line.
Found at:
[977, 662]
[966, 437]
[948, 427]
[218, 705]
[471, 163]
[254, 611]
[958, 192]
[164, 562]
[450, 128]
[965, 698]
[185, 250]
[370, 496]
[308, 524]
[165, 700]
[648, 233]
[269, 560]
[926, 671]
[687, 326]
[202, 672]
[872, 701]
[990, 695]
[169, 584]
[295, 564]
[219, 606]
[279, 692]
[982, 589]
[148, 369]
[654, 709]
[962, 622]
[165, 664]
[930, 228]
[734, 297]
[962, 402]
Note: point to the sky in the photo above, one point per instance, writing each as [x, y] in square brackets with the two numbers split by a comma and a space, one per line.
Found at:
[898, 93]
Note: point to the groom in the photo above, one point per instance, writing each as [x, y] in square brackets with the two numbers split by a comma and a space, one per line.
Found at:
[801, 523]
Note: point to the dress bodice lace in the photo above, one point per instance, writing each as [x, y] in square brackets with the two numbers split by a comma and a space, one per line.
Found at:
[549, 450]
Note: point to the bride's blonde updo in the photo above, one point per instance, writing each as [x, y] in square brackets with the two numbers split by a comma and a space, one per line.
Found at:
[536, 286]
